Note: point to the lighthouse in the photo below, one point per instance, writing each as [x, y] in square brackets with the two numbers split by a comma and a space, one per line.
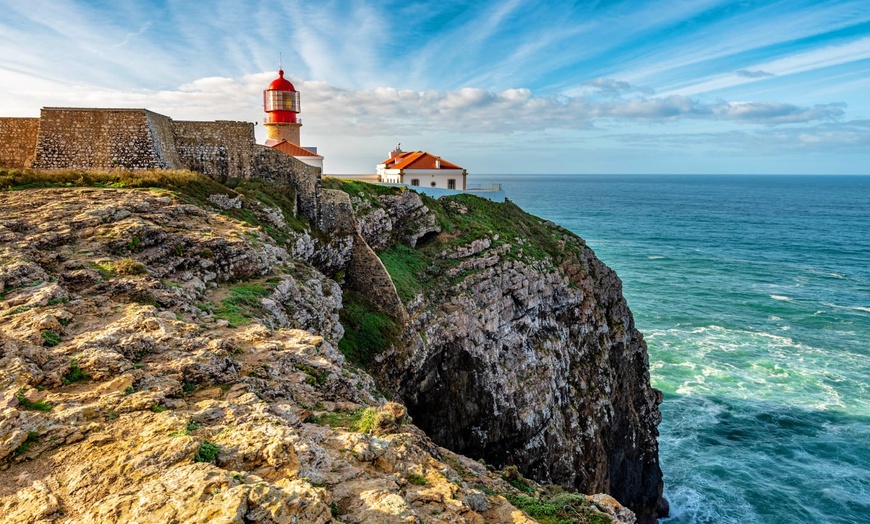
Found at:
[281, 103]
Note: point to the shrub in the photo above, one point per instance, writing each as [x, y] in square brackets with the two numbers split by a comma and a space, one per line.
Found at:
[50, 338]
[74, 374]
[128, 266]
[39, 405]
[417, 480]
[208, 452]
[32, 438]
[367, 421]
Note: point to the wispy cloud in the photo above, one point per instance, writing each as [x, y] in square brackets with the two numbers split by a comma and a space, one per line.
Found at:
[486, 71]
[753, 73]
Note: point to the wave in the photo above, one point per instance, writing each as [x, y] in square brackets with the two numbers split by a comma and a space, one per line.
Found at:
[851, 308]
[782, 298]
[656, 257]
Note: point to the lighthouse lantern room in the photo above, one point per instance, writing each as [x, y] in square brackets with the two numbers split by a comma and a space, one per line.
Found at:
[281, 103]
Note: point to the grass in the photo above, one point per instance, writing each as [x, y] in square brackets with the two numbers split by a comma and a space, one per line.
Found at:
[24, 447]
[19, 309]
[39, 405]
[208, 452]
[361, 190]
[243, 304]
[562, 508]
[105, 269]
[417, 480]
[188, 429]
[74, 374]
[50, 338]
[361, 420]
[366, 332]
[405, 266]
[314, 376]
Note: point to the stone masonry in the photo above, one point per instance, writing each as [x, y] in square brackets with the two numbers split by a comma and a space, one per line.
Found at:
[105, 139]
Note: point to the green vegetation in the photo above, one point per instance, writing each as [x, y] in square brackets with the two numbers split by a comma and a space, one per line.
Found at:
[24, 447]
[417, 480]
[191, 426]
[243, 304]
[361, 420]
[315, 377]
[39, 405]
[129, 390]
[208, 452]
[362, 190]
[19, 309]
[405, 265]
[105, 270]
[512, 475]
[50, 338]
[128, 266]
[158, 408]
[74, 374]
[562, 508]
[367, 332]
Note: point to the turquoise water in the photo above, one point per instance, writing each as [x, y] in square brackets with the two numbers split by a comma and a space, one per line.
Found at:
[753, 293]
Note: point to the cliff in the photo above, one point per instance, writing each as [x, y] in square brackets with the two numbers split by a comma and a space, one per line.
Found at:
[521, 349]
[192, 352]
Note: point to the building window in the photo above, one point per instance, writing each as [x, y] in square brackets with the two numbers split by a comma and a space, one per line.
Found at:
[432, 184]
[415, 181]
[451, 183]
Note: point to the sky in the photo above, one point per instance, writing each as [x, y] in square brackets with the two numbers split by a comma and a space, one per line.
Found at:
[511, 86]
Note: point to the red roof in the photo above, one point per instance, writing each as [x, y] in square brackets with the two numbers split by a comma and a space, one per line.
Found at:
[281, 83]
[292, 149]
[418, 160]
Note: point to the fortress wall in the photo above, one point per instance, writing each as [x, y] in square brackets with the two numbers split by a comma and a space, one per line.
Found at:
[220, 149]
[72, 138]
[18, 141]
[104, 139]
[272, 164]
[163, 137]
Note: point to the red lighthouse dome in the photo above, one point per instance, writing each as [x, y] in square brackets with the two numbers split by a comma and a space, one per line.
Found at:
[281, 101]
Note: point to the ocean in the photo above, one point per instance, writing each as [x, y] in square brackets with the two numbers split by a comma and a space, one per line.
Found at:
[753, 294]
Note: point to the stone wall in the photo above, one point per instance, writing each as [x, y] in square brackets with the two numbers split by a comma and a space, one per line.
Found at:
[270, 164]
[73, 138]
[18, 141]
[222, 149]
[105, 139]
[163, 137]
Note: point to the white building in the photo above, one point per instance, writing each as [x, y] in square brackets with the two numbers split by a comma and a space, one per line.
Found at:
[420, 168]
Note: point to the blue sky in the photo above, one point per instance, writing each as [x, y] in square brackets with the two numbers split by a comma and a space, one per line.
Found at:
[513, 86]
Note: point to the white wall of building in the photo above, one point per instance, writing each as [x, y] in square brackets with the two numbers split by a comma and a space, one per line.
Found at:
[316, 161]
[437, 178]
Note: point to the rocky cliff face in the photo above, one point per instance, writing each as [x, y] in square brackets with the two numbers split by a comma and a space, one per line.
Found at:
[521, 349]
[173, 357]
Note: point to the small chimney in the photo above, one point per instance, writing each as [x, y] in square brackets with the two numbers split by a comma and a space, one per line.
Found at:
[396, 152]
[438, 163]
